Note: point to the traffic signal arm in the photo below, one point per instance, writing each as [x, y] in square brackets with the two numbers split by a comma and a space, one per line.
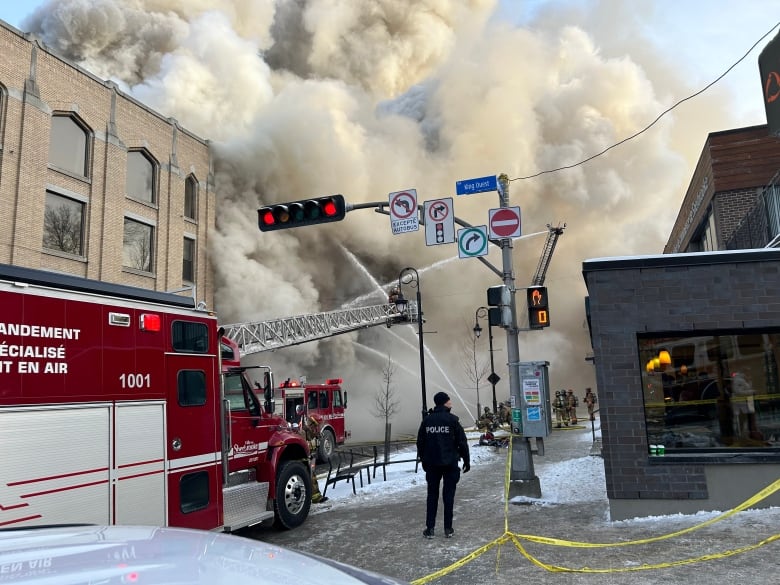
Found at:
[300, 213]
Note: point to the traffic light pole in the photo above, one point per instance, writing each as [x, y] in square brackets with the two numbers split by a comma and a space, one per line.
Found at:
[522, 478]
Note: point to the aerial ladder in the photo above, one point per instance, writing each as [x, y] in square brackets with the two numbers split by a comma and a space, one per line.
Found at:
[554, 232]
[287, 331]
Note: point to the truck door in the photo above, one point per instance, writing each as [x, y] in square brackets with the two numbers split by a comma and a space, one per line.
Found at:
[193, 438]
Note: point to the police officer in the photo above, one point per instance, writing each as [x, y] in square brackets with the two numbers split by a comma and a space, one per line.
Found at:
[441, 442]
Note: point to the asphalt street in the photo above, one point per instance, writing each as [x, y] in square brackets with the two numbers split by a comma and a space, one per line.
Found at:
[384, 535]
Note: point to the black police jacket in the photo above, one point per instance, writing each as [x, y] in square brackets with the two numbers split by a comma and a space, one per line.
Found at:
[441, 440]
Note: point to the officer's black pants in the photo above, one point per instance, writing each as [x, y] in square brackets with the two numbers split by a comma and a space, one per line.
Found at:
[433, 476]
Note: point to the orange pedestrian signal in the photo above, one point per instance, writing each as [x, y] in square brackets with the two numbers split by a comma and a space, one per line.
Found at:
[538, 312]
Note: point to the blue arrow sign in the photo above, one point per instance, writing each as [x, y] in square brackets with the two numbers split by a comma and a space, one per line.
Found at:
[481, 185]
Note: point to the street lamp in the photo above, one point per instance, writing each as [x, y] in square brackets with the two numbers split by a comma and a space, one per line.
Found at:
[401, 304]
[483, 312]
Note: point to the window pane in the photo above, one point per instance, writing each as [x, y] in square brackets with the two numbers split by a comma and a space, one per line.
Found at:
[63, 224]
[68, 145]
[191, 388]
[190, 337]
[188, 262]
[140, 176]
[190, 198]
[719, 393]
[137, 251]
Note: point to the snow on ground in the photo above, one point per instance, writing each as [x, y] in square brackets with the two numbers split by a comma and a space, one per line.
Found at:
[580, 479]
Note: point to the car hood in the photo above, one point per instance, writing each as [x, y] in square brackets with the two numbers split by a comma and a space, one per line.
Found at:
[161, 556]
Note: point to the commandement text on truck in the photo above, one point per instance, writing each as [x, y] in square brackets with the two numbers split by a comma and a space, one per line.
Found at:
[113, 411]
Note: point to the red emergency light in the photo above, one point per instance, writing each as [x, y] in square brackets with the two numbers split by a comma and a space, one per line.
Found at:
[334, 381]
[150, 322]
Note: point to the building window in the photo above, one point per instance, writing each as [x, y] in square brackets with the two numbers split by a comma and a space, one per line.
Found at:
[68, 145]
[140, 183]
[188, 261]
[191, 198]
[138, 245]
[712, 392]
[63, 224]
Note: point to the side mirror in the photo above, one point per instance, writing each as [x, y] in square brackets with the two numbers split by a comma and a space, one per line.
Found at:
[345, 398]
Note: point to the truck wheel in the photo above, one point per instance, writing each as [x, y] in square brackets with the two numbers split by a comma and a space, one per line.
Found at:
[293, 495]
[327, 446]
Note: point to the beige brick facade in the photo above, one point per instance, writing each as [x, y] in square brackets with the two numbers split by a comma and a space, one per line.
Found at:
[36, 85]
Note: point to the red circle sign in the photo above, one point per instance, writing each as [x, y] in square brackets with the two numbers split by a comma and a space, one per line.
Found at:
[504, 222]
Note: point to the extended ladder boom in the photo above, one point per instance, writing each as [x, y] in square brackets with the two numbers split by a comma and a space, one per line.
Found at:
[287, 331]
[547, 252]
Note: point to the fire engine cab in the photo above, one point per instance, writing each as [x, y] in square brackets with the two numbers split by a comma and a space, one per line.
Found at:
[326, 403]
[113, 411]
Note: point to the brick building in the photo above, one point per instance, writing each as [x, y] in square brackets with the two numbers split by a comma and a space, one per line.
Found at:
[687, 344]
[93, 183]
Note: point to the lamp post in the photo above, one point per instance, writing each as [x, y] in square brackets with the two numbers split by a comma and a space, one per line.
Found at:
[483, 312]
[401, 303]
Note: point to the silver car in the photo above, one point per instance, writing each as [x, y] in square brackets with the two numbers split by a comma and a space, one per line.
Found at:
[97, 555]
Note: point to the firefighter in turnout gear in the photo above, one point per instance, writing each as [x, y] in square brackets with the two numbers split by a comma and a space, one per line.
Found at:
[561, 412]
[571, 406]
[504, 413]
[309, 427]
[487, 421]
[590, 402]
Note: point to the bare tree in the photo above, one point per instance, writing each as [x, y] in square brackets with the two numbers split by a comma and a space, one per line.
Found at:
[475, 368]
[62, 228]
[385, 402]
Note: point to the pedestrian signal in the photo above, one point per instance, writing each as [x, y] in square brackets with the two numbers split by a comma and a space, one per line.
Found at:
[538, 311]
[300, 213]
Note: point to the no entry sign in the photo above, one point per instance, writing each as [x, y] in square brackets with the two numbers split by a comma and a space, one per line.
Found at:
[504, 223]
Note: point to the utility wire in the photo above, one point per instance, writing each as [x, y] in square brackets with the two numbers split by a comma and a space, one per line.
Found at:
[661, 115]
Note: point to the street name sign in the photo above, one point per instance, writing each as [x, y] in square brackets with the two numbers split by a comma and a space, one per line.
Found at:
[480, 185]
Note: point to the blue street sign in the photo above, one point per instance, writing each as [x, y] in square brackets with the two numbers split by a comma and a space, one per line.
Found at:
[481, 185]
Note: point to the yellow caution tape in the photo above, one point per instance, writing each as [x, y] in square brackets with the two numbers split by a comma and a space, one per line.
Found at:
[516, 540]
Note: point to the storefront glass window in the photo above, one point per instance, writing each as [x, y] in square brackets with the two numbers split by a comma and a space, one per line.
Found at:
[712, 392]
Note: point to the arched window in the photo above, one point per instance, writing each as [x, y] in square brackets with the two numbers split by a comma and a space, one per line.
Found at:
[69, 145]
[140, 182]
[191, 198]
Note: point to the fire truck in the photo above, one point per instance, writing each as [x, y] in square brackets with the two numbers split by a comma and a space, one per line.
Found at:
[113, 411]
[326, 403]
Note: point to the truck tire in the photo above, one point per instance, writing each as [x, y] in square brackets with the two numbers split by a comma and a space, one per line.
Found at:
[326, 447]
[293, 495]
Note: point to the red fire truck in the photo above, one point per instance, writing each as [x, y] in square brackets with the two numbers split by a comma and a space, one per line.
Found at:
[113, 411]
[326, 403]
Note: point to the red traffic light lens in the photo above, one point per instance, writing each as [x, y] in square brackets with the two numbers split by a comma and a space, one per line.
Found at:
[329, 208]
[267, 217]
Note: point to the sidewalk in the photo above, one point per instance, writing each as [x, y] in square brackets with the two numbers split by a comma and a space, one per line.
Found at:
[384, 534]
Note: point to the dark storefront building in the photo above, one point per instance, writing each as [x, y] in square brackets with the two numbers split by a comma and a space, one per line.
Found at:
[687, 343]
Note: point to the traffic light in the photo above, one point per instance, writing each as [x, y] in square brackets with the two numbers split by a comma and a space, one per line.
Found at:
[299, 213]
[500, 299]
[538, 312]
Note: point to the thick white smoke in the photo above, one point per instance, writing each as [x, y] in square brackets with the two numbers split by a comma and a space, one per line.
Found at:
[311, 97]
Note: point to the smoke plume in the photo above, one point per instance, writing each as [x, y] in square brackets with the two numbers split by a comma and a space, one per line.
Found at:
[312, 97]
